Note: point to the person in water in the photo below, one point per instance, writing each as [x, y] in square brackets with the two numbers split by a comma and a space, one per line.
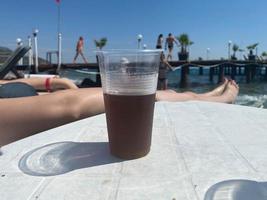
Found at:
[64, 102]
[164, 66]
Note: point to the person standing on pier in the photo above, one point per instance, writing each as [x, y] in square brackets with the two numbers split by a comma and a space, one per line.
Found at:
[79, 50]
[159, 42]
[170, 40]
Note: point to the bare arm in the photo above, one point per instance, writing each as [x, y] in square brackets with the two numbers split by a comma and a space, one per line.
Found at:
[176, 42]
[167, 64]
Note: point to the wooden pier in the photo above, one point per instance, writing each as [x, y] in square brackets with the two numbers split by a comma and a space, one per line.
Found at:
[219, 68]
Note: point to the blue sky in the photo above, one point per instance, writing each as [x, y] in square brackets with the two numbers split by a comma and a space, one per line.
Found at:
[209, 23]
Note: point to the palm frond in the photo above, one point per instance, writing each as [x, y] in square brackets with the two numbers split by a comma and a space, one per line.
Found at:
[264, 54]
[235, 47]
[101, 43]
[253, 46]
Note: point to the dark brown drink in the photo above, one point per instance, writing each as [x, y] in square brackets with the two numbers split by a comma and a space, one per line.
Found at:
[129, 122]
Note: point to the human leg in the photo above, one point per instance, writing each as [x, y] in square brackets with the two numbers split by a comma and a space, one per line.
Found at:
[165, 83]
[215, 92]
[29, 115]
[228, 96]
[169, 57]
[76, 56]
[84, 59]
[170, 51]
[160, 84]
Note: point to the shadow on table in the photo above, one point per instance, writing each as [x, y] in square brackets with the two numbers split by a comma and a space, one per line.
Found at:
[59, 158]
[237, 190]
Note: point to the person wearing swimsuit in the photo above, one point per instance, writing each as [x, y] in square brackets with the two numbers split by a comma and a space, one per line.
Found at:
[163, 70]
[159, 41]
[170, 40]
[79, 50]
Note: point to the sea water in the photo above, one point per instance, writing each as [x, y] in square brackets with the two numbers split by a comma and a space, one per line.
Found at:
[252, 94]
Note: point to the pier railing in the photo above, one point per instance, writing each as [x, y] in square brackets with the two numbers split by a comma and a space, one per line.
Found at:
[232, 68]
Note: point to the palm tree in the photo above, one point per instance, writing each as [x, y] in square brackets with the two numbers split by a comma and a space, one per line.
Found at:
[241, 52]
[185, 42]
[101, 43]
[251, 55]
[252, 47]
[264, 55]
[235, 49]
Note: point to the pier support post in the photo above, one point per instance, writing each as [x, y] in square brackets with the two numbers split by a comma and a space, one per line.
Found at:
[248, 73]
[253, 71]
[187, 70]
[200, 72]
[215, 70]
[227, 69]
[184, 76]
[239, 70]
[211, 73]
[233, 72]
[221, 74]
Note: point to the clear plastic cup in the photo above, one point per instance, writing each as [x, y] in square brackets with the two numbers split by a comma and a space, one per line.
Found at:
[129, 81]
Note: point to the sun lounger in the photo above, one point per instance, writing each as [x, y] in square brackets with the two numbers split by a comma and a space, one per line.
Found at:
[11, 62]
[205, 156]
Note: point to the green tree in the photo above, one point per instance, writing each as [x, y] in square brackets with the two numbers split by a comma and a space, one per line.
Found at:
[184, 41]
[101, 43]
[235, 49]
[264, 54]
[252, 47]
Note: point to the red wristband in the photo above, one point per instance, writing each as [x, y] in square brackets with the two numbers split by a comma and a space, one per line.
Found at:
[47, 85]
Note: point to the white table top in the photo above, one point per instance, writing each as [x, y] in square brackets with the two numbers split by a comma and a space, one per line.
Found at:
[195, 145]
